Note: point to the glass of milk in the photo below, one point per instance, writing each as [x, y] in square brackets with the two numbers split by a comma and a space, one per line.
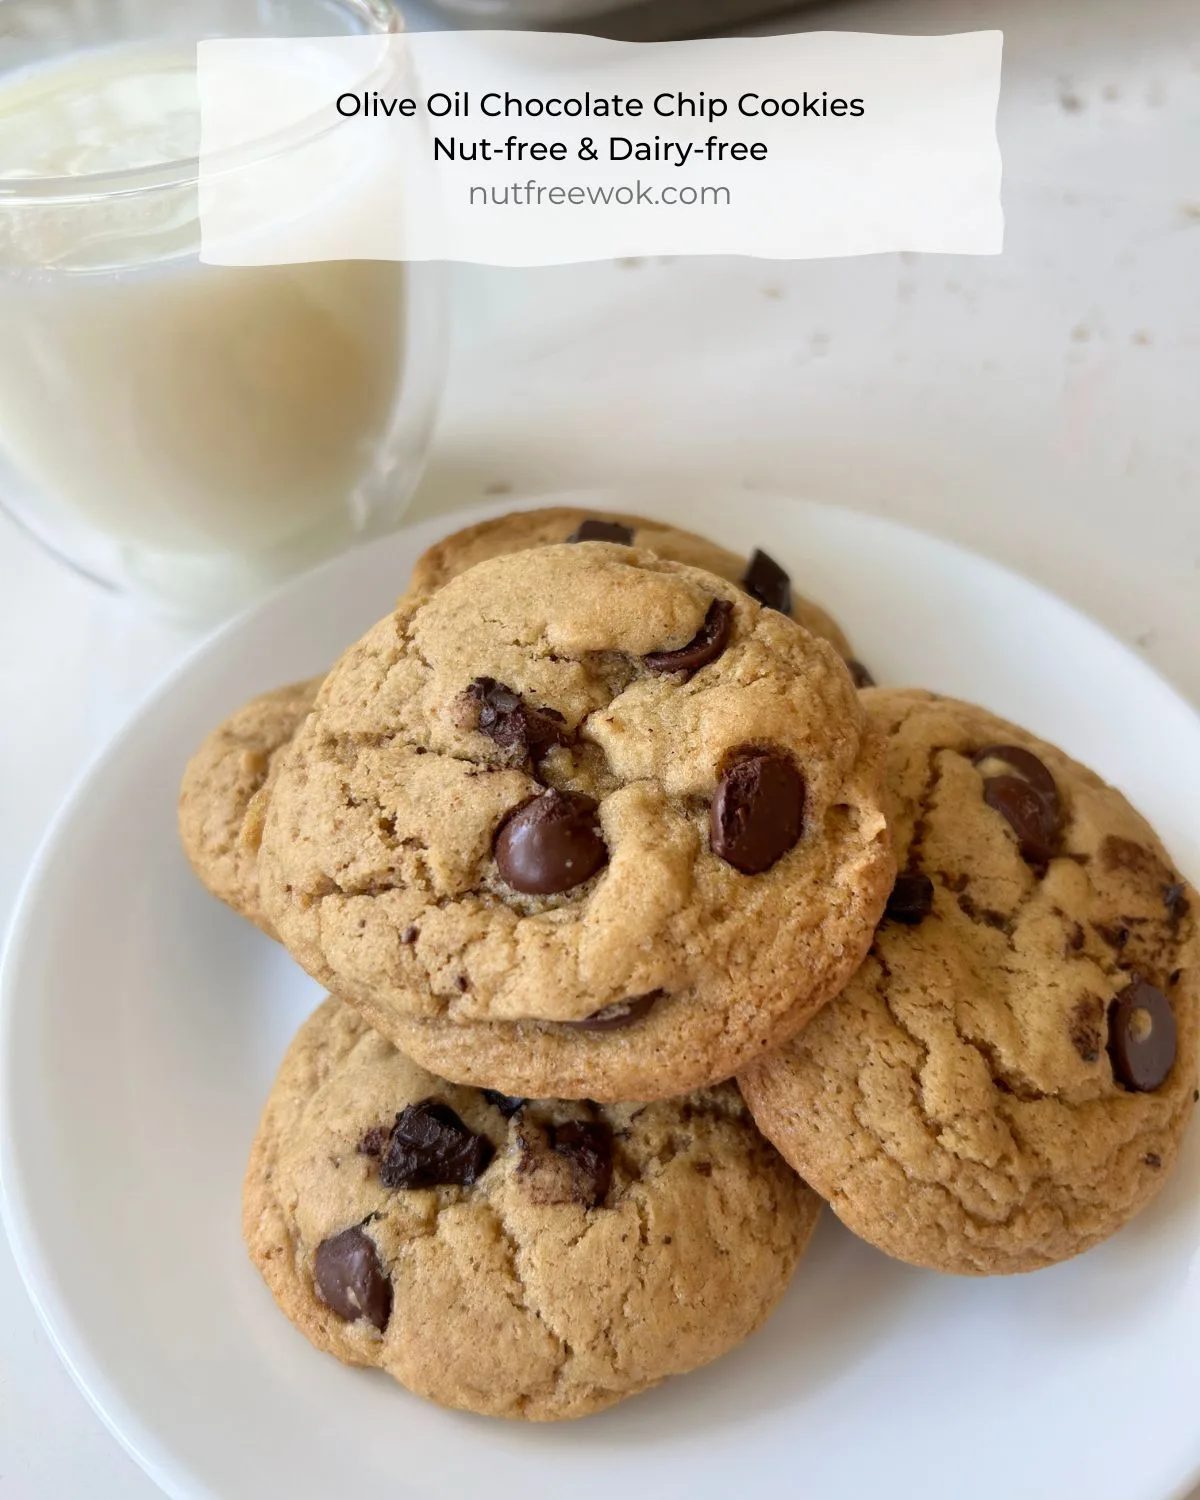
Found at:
[184, 432]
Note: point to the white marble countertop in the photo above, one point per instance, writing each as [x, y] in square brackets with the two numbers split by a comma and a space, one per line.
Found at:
[1040, 407]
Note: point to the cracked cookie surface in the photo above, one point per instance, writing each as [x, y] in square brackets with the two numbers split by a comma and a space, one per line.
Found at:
[222, 797]
[594, 1252]
[523, 529]
[982, 1097]
[498, 833]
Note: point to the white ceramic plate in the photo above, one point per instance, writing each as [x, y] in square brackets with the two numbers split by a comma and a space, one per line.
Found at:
[142, 1024]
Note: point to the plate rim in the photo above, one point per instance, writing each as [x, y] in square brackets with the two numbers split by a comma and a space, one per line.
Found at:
[120, 1419]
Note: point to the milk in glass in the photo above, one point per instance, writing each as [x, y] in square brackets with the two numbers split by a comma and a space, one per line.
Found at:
[183, 410]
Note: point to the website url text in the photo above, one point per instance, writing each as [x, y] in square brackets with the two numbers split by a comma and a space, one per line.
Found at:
[623, 194]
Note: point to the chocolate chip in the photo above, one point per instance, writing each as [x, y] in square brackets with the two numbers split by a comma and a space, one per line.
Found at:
[1028, 799]
[589, 1149]
[593, 530]
[1025, 763]
[517, 727]
[1176, 901]
[911, 900]
[550, 843]
[1141, 1037]
[617, 1017]
[410, 935]
[757, 814]
[1029, 814]
[431, 1147]
[351, 1281]
[705, 646]
[1152, 1159]
[862, 677]
[1085, 1026]
[507, 1104]
[374, 1141]
[767, 582]
[575, 1166]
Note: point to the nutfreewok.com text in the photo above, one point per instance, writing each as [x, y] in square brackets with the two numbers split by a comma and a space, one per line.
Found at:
[624, 195]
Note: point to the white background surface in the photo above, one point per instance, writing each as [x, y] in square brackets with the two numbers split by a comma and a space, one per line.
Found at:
[1040, 407]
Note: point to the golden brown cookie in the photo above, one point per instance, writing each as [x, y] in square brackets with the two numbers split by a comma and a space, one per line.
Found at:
[560, 523]
[517, 1258]
[583, 824]
[1007, 1079]
[223, 794]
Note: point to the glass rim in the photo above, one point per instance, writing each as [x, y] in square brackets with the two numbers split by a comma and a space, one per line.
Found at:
[384, 18]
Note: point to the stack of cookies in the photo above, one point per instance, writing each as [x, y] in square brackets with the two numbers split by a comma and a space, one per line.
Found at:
[601, 817]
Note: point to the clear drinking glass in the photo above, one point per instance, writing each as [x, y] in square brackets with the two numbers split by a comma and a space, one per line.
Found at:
[185, 432]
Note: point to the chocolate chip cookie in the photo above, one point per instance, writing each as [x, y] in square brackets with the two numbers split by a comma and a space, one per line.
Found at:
[517, 1258]
[583, 824]
[761, 576]
[1007, 1079]
[223, 795]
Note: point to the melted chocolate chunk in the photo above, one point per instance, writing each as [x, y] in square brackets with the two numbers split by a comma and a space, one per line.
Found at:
[431, 1147]
[911, 900]
[985, 914]
[509, 722]
[767, 582]
[1029, 814]
[1085, 1027]
[862, 677]
[1117, 853]
[374, 1141]
[617, 1017]
[1141, 1037]
[574, 1166]
[595, 530]
[350, 1280]
[507, 1104]
[757, 814]
[551, 843]
[1176, 901]
[589, 1150]
[705, 646]
[1115, 936]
